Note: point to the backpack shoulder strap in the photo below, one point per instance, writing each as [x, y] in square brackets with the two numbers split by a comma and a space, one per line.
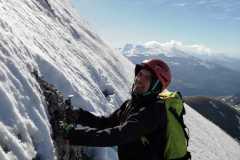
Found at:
[174, 103]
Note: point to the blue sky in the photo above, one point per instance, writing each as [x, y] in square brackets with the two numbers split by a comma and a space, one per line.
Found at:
[212, 23]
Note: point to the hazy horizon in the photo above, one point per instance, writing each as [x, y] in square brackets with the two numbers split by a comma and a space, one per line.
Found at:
[213, 24]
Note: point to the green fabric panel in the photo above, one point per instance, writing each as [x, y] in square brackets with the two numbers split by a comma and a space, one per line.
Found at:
[176, 145]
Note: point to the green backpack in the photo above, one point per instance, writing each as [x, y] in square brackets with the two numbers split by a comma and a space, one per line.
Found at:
[177, 137]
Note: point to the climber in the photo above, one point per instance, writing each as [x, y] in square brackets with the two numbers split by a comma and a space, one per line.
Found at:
[138, 127]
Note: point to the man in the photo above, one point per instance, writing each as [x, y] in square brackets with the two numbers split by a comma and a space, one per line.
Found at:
[138, 127]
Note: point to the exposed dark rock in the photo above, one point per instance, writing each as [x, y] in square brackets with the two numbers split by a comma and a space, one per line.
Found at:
[56, 106]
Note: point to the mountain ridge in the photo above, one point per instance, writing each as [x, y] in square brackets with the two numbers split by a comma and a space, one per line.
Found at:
[193, 74]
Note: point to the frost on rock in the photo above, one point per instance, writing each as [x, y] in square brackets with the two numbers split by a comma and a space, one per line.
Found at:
[56, 106]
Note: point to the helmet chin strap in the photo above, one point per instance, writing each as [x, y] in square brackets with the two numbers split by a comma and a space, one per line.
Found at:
[153, 90]
[157, 87]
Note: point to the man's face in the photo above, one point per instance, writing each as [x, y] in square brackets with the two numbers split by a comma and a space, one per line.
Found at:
[142, 81]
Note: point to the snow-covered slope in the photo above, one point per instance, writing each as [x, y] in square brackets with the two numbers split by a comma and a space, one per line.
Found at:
[48, 35]
[207, 141]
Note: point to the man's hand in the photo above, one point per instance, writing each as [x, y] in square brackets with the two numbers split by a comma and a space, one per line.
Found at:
[65, 129]
[61, 132]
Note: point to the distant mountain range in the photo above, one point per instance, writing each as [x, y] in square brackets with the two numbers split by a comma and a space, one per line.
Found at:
[195, 69]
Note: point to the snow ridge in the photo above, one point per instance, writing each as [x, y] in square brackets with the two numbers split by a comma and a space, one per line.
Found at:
[48, 35]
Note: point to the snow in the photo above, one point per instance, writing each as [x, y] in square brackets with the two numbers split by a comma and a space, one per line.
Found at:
[169, 49]
[207, 141]
[174, 48]
[50, 36]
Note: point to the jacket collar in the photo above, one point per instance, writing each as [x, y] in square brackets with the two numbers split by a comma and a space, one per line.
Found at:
[143, 100]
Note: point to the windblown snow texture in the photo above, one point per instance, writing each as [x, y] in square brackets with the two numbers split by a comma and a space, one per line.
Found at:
[50, 36]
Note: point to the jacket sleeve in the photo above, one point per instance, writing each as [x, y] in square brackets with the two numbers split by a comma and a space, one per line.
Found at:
[86, 118]
[138, 124]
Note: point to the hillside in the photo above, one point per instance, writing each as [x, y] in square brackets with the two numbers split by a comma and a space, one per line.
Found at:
[218, 112]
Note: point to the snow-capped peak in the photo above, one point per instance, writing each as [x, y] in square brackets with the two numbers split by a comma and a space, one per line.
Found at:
[171, 48]
[152, 44]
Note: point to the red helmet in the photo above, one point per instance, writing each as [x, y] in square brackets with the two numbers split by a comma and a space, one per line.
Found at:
[159, 68]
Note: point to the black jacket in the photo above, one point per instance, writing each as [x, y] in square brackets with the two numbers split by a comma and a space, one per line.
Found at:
[125, 128]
